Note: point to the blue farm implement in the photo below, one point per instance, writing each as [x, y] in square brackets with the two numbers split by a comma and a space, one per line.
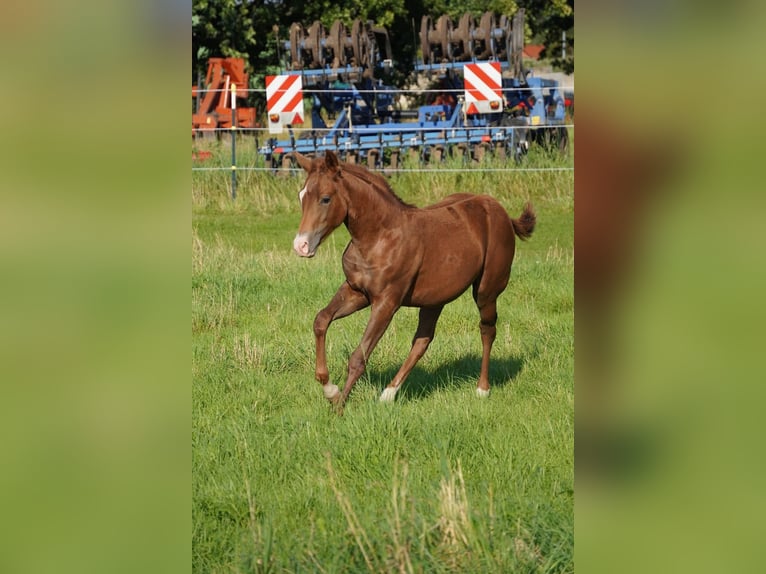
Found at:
[360, 118]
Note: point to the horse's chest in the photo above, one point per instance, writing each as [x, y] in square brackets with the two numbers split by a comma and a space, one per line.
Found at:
[356, 268]
[359, 271]
[371, 274]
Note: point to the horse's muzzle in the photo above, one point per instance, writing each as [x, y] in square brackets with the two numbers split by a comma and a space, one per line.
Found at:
[303, 245]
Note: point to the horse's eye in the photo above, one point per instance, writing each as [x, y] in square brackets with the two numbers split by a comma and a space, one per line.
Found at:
[325, 200]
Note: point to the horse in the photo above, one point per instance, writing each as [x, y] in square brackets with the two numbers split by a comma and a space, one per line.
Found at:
[401, 255]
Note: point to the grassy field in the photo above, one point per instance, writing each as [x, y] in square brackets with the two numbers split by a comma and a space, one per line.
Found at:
[438, 481]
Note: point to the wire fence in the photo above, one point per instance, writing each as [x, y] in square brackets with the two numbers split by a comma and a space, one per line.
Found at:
[243, 92]
[409, 127]
[388, 170]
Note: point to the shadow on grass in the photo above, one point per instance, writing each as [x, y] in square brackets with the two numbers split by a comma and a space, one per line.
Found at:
[456, 374]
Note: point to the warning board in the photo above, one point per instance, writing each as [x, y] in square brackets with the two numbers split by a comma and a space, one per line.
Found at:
[483, 87]
[284, 100]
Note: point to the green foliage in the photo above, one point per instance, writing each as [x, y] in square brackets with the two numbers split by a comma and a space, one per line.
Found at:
[456, 8]
[381, 12]
[221, 28]
[547, 19]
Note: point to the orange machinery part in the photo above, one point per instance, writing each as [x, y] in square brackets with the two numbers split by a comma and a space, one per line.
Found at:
[215, 103]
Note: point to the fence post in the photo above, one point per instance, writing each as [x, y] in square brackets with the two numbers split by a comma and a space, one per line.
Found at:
[234, 141]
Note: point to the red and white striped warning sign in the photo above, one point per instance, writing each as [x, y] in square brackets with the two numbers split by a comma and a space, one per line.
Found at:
[483, 87]
[284, 100]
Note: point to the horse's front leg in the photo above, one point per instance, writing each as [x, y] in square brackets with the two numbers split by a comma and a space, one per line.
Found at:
[380, 317]
[345, 302]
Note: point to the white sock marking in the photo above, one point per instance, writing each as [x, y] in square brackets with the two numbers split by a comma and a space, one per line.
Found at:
[388, 395]
[482, 393]
[330, 390]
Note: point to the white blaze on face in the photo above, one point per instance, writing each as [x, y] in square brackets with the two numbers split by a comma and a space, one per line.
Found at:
[301, 241]
[306, 243]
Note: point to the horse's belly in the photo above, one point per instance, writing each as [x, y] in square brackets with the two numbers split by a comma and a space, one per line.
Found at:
[442, 283]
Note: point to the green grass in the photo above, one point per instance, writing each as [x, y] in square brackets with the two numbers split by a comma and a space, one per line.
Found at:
[438, 481]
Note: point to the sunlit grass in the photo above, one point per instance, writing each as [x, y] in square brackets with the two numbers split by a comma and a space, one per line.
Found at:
[438, 481]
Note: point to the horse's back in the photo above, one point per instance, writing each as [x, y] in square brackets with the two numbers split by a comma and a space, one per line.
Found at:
[451, 199]
[487, 202]
[481, 212]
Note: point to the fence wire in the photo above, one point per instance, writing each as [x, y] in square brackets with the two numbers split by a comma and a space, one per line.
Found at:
[244, 92]
[366, 128]
[400, 170]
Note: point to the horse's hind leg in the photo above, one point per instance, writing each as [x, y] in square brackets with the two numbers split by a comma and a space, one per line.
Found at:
[423, 337]
[486, 301]
[488, 314]
[345, 302]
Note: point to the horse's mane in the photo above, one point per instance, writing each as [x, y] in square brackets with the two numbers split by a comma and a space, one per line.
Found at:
[374, 179]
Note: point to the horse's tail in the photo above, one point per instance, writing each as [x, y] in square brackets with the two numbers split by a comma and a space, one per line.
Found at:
[525, 224]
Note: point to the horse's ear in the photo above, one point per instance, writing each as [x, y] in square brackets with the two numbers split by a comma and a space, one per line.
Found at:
[303, 161]
[331, 161]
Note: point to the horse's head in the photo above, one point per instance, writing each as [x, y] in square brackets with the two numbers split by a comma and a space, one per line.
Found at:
[323, 208]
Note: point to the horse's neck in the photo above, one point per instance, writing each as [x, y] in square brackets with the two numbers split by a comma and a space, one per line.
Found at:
[370, 210]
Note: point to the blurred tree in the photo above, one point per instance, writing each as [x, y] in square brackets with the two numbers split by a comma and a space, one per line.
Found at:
[547, 20]
[456, 8]
[221, 28]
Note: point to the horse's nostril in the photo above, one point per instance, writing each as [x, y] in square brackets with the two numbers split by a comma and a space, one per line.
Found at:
[301, 246]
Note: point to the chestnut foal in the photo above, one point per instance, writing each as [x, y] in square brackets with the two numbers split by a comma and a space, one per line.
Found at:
[400, 255]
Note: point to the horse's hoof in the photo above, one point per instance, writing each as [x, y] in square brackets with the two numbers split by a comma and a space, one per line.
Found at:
[388, 395]
[481, 393]
[330, 391]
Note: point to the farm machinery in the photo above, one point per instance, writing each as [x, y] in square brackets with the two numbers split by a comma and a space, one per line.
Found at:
[213, 105]
[484, 101]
